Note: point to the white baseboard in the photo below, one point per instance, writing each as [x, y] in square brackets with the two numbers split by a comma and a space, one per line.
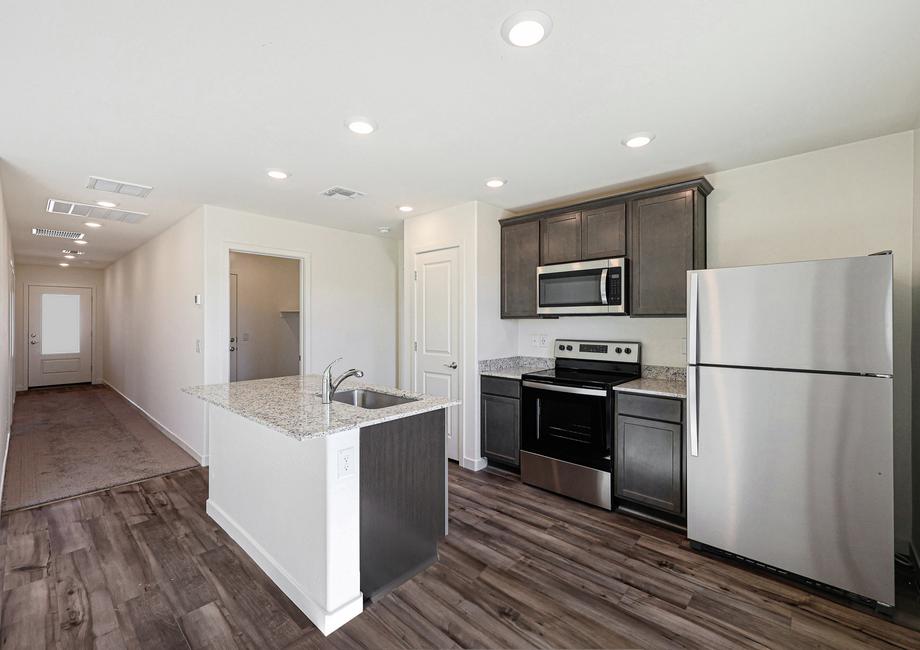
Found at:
[474, 464]
[327, 622]
[194, 453]
[6, 457]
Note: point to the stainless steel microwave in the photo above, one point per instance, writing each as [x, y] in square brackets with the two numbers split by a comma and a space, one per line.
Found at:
[583, 288]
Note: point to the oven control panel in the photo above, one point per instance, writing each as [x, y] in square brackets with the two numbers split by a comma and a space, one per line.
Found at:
[623, 351]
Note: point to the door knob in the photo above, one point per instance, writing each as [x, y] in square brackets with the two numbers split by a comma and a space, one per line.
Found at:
[452, 365]
[232, 349]
[33, 342]
[233, 339]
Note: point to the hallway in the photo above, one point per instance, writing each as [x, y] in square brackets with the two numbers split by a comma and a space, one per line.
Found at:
[72, 440]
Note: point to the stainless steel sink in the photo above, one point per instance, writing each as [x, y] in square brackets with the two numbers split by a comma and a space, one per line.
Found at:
[370, 399]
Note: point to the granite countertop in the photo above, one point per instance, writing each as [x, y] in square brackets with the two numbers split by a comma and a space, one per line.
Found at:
[292, 405]
[513, 367]
[655, 386]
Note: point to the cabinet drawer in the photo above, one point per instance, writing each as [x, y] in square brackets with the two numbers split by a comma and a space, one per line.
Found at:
[656, 408]
[500, 386]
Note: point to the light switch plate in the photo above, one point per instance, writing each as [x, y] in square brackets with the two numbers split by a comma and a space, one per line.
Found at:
[346, 462]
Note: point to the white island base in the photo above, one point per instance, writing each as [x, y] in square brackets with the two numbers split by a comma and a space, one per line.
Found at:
[294, 507]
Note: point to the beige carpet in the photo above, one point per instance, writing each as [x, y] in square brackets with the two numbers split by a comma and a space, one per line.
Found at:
[73, 440]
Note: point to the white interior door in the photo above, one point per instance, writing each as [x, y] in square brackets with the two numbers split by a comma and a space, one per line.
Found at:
[234, 323]
[437, 333]
[60, 335]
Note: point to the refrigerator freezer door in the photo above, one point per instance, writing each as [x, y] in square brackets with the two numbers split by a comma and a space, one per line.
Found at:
[826, 315]
[795, 470]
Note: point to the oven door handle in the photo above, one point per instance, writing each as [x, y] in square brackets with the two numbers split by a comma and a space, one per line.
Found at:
[575, 390]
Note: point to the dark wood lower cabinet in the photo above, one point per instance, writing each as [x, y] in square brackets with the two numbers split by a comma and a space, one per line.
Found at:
[648, 463]
[403, 487]
[500, 421]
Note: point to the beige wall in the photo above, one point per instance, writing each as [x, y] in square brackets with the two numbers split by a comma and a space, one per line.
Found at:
[848, 200]
[31, 274]
[268, 341]
[7, 349]
[155, 329]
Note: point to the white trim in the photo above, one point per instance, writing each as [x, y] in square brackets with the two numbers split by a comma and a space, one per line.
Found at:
[93, 335]
[201, 458]
[223, 293]
[327, 622]
[474, 464]
[6, 457]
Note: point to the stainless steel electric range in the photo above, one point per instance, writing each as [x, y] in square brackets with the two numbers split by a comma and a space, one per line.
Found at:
[567, 418]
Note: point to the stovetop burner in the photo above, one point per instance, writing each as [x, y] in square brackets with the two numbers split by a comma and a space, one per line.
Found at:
[580, 377]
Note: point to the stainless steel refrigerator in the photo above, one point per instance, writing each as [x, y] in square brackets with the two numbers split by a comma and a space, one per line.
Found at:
[789, 412]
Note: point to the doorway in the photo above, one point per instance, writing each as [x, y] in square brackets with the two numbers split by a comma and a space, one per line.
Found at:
[437, 333]
[60, 329]
[265, 316]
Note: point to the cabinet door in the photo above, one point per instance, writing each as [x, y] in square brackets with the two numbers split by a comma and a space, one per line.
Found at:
[560, 238]
[604, 232]
[661, 252]
[520, 259]
[649, 463]
[501, 429]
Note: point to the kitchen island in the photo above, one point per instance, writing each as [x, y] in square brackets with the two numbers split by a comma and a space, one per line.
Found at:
[335, 502]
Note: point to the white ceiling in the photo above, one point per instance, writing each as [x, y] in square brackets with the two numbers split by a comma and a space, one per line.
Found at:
[199, 98]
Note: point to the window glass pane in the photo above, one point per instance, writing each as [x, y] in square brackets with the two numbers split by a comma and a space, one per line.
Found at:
[60, 323]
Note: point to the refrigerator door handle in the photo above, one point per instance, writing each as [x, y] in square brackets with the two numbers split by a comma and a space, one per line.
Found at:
[693, 318]
[693, 409]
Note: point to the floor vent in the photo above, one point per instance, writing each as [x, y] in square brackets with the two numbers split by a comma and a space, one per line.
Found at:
[61, 234]
[56, 206]
[118, 187]
[342, 193]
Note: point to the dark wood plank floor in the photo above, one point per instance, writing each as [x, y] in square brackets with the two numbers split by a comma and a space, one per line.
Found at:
[143, 566]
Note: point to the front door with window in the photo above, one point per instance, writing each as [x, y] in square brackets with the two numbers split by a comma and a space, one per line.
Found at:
[60, 335]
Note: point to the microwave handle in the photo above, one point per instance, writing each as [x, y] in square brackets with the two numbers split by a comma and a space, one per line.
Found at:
[604, 287]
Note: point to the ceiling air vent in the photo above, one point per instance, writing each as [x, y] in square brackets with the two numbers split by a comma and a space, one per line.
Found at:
[118, 187]
[56, 206]
[62, 234]
[342, 193]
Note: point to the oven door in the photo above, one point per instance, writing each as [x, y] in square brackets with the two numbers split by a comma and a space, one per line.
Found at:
[570, 423]
[582, 288]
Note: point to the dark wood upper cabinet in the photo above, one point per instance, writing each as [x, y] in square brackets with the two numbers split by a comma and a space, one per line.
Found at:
[663, 246]
[603, 232]
[661, 231]
[520, 259]
[560, 238]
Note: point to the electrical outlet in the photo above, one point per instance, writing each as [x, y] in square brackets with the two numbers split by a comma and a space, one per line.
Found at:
[346, 462]
[543, 341]
[683, 346]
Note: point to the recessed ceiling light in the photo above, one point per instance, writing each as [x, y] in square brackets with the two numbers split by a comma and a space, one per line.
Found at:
[361, 125]
[383, 229]
[81, 242]
[495, 182]
[106, 204]
[405, 208]
[63, 264]
[526, 28]
[70, 257]
[637, 140]
[277, 174]
[92, 224]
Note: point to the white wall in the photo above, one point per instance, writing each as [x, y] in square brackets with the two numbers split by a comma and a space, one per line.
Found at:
[849, 200]
[27, 274]
[268, 317]
[154, 329]
[352, 278]
[7, 347]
